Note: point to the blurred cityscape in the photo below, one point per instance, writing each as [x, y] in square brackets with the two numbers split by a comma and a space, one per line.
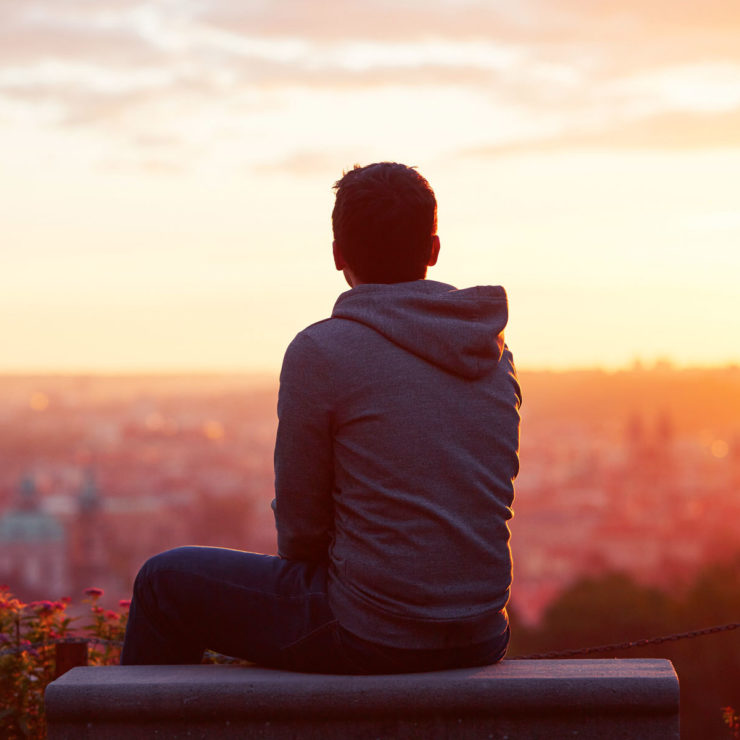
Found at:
[635, 471]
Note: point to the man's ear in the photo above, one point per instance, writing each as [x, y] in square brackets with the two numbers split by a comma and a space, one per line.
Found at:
[435, 252]
[339, 262]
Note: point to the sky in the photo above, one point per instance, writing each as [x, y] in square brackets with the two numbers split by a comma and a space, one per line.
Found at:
[166, 172]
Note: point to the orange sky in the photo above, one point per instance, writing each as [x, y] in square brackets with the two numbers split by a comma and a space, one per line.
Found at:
[166, 171]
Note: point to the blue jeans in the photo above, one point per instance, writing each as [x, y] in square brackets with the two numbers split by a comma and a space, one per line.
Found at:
[264, 609]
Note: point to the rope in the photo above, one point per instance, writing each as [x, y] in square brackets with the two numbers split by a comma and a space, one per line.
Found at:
[619, 646]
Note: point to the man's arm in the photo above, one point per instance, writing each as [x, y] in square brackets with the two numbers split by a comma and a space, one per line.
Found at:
[304, 465]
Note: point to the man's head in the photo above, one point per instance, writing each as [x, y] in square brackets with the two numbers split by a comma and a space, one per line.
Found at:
[385, 224]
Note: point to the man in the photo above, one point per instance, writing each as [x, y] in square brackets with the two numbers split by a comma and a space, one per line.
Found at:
[396, 452]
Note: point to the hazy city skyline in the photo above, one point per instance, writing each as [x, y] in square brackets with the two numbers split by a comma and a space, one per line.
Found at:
[640, 474]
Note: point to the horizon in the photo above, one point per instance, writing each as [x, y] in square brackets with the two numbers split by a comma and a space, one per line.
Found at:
[268, 376]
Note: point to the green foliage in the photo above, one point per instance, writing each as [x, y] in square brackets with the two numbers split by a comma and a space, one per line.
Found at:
[107, 628]
[610, 609]
[28, 633]
[614, 608]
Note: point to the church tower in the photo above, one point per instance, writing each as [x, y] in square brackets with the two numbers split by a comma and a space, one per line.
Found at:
[89, 555]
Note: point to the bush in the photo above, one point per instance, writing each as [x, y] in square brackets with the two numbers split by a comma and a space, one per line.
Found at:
[28, 637]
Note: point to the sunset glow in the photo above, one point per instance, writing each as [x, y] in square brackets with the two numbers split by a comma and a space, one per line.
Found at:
[166, 170]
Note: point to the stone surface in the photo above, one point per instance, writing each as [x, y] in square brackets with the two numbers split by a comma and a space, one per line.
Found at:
[522, 699]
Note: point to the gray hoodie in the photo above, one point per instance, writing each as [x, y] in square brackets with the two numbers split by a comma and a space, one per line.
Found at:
[395, 458]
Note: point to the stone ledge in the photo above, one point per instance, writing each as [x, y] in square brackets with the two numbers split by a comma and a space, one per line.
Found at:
[553, 699]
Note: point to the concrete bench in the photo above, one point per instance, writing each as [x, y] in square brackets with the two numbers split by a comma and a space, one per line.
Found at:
[515, 699]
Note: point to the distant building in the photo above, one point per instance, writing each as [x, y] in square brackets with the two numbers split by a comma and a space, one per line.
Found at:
[89, 551]
[33, 548]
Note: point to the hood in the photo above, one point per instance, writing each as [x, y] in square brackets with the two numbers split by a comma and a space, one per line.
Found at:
[460, 331]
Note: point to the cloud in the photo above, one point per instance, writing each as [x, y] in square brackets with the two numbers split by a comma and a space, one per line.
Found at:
[613, 36]
[308, 162]
[270, 75]
[606, 37]
[138, 68]
[39, 31]
[667, 131]
[340, 20]
[657, 17]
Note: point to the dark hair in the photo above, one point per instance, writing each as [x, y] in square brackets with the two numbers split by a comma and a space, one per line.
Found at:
[384, 217]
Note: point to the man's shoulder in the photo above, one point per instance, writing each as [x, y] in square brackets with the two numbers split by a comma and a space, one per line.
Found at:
[320, 338]
[317, 329]
[324, 333]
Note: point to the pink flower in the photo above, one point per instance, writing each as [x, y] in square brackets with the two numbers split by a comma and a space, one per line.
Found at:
[66, 599]
[94, 592]
[11, 604]
[124, 603]
[110, 615]
[42, 606]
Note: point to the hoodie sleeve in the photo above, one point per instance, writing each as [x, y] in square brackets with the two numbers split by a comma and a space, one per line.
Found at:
[304, 466]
